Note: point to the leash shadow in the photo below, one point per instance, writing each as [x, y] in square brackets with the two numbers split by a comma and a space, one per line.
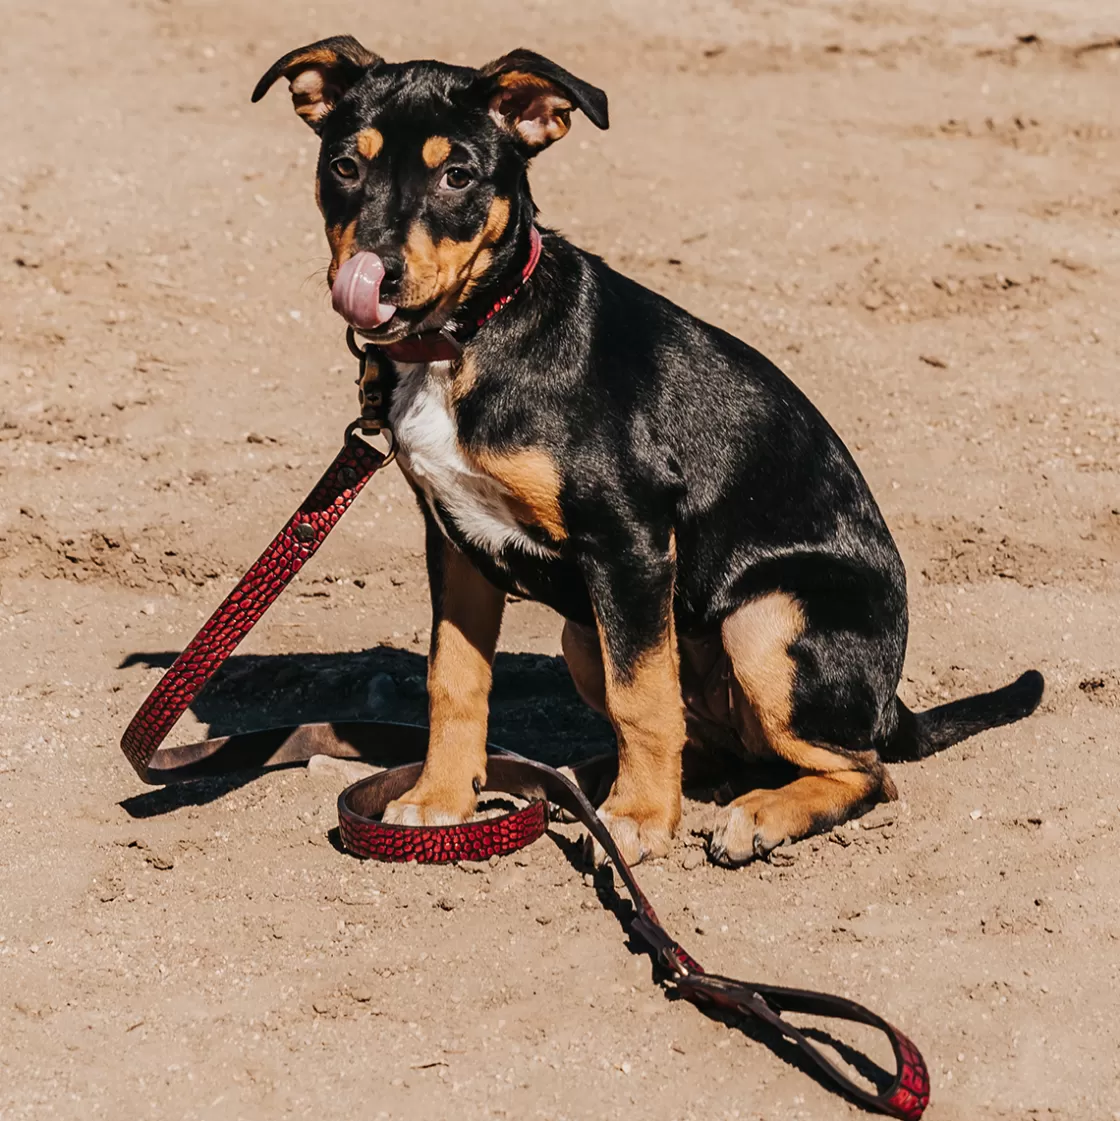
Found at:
[756, 1030]
[534, 709]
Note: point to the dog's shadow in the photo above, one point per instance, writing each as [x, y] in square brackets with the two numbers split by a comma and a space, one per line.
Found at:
[534, 707]
[534, 710]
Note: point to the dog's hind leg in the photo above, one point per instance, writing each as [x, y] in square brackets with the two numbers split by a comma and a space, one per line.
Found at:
[835, 784]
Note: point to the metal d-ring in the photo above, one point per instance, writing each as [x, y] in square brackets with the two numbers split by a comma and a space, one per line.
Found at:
[357, 426]
[358, 352]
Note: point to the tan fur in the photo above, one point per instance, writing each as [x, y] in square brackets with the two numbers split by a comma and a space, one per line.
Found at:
[320, 56]
[459, 675]
[520, 79]
[448, 268]
[310, 95]
[836, 785]
[369, 143]
[436, 149]
[757, 638]
[645, 708]
[533, 480]
[341, 239]
[312, 78]
[532, 107]
[804, 806]
[313, 94]
[466, 377]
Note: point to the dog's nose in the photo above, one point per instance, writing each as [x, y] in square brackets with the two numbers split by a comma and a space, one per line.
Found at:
[394, 274]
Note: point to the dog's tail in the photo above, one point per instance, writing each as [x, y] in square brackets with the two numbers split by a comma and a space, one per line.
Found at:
[922, 733]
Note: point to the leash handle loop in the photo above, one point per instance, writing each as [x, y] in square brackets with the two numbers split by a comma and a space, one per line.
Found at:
[907, 1095]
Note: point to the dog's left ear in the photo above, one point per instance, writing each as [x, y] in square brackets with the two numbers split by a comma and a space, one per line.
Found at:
[533, 98]
[319, 74]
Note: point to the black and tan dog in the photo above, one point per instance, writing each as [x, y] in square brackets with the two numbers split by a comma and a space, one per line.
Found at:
[723, 570]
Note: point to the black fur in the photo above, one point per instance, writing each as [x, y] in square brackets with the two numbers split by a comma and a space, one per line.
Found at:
[924, 733]
[695, 475]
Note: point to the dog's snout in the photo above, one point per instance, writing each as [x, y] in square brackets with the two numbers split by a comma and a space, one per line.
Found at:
[394, 273]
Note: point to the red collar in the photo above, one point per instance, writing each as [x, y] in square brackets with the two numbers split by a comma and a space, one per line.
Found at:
[446, 345]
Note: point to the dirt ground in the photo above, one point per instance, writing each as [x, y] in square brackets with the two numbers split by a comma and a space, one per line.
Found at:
[912, 206]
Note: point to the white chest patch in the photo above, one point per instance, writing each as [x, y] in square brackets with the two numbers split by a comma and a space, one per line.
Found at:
[423, 423]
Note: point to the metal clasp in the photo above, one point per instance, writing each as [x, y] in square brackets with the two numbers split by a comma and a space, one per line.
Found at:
[371, 392]
[372, 399]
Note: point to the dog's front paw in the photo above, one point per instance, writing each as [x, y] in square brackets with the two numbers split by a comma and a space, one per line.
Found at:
[752, 826]
[418, 807]
[639, 835]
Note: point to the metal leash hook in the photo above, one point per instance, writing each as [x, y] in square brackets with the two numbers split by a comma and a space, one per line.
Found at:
[371, 395]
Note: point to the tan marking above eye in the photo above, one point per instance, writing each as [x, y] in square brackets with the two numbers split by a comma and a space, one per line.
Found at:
[369, 144]
[436, 149]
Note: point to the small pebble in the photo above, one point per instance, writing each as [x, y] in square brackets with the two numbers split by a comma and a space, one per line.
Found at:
[976, 815]
[692, 859]
[544, 920]
[446, 904]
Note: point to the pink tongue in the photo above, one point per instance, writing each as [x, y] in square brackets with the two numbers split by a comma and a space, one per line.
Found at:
[356, 292]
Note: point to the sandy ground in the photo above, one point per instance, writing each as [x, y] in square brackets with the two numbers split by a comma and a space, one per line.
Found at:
[913, 206]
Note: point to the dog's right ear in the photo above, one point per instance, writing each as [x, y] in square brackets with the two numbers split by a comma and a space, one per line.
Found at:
[319, 74]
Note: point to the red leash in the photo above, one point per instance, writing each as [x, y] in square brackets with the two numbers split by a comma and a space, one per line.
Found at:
[359, 805]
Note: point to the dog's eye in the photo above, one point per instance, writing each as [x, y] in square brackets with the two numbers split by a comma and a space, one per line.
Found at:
[345, 168]
[456, 178]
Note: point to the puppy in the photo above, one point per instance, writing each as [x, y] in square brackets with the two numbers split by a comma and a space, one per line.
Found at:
[723, 571]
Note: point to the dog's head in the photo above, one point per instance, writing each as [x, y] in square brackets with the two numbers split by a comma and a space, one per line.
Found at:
[421, 176]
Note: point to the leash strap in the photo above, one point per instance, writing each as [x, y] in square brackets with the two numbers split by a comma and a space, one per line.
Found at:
[361, 804]
[255, 593]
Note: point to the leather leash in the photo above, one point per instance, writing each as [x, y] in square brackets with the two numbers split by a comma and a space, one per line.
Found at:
[405, 745]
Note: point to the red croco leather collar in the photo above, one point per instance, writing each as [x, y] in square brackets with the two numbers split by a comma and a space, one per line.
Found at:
[446, 345]
[360, 805]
